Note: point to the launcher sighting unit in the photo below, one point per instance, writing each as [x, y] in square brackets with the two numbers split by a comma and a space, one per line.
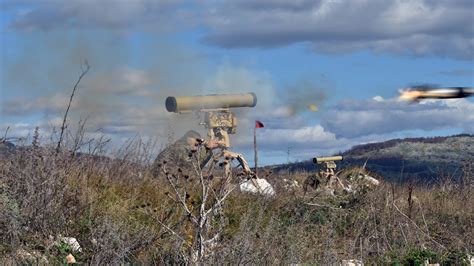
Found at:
[219, 120]
[328, 162]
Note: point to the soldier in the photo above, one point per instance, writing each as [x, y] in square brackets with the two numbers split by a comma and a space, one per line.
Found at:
[219, 121]
[179, 153]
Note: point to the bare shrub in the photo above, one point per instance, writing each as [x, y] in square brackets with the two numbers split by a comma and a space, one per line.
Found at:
[201, 197]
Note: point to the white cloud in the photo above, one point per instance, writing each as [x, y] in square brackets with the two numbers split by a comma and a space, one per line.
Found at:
[110, 14]
[15, 131]
[417, 27]
[378, 98]
[355, 118]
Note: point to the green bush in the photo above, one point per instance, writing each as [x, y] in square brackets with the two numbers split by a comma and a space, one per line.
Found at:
[416, 257]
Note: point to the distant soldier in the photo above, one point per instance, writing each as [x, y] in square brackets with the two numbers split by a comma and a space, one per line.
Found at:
[326, 174]
[311, 181]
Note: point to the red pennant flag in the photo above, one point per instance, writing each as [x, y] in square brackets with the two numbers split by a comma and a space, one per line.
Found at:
[258, 124]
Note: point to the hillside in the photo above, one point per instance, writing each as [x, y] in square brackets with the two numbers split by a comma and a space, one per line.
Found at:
[424, 159]
[6, 148]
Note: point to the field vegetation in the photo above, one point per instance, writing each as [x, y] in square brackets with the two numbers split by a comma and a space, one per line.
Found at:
[122, 210]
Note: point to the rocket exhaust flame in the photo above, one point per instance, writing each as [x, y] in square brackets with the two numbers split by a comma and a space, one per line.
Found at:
[427, 92]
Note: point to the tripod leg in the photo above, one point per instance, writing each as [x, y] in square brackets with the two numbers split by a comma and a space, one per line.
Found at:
[206, 159]
[232, 155]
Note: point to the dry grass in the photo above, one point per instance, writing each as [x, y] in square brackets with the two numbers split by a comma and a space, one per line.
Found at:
[117, 208]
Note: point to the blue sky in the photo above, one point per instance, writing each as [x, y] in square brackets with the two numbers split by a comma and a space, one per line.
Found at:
[336, 54]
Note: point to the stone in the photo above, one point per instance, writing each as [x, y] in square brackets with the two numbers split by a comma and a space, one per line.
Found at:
[72, 242]
[289, 184]
[70, 259]
[371, 180]
[352, 262]
[263, 188]
[31, 257]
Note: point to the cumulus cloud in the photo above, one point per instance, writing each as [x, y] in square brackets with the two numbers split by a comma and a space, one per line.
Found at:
[306, 141]
[356, 118]
[417, 27]
[420, 27]
[303, 136]
[108, 14]
[15, 131]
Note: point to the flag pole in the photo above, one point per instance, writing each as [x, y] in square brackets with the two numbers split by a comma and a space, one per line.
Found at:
[255, 149]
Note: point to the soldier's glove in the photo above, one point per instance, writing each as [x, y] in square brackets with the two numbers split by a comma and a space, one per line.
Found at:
[211, 144]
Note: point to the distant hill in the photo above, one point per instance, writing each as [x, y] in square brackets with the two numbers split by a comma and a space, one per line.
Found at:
[6, 148]
[424, 159]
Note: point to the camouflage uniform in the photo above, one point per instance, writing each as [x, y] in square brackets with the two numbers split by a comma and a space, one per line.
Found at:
[180, 154]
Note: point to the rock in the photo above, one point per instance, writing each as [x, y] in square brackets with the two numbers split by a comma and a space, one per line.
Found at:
[258, 186]
[24, 255]
[289, 184]
[427, 263]
[72, 242]
[352, 262]
[371, 180]
[365, 180]
[33, 257]
[349, 190]
[70, 259]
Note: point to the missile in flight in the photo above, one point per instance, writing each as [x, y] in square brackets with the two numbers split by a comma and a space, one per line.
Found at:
[417, 93]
